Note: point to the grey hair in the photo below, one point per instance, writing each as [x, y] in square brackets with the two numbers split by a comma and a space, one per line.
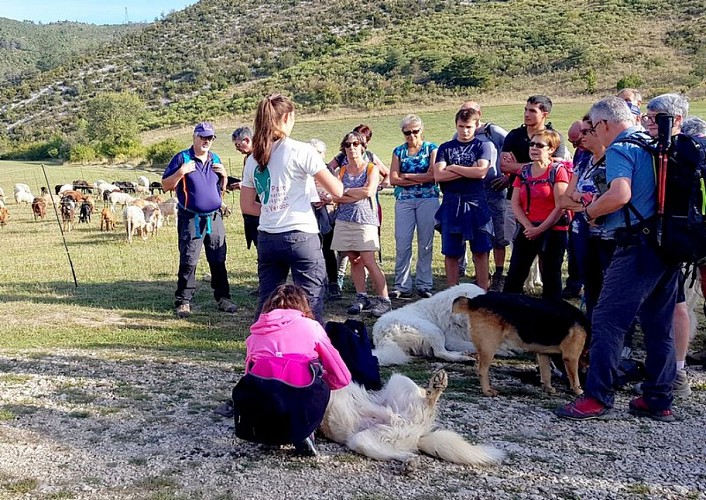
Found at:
[241, 133]
[635, 93]
[319, 145]
[411, 120]
[674, 104]
[612, 110]
[694, 126]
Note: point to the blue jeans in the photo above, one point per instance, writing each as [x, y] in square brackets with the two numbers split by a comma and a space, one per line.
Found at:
[419, 213]
[637, 283]
[277, 253]
[189, 251]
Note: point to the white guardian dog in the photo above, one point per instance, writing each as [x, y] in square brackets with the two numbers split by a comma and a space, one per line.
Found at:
[397, 422]
[426, 328]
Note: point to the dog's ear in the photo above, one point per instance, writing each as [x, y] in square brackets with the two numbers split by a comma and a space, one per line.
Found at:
[460, 305]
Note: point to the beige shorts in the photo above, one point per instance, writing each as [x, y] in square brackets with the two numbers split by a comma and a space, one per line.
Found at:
[354, 237]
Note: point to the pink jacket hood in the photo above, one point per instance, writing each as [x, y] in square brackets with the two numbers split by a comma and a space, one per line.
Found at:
[288, 331]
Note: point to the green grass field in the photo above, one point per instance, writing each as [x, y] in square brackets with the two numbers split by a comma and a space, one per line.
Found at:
[125, 292]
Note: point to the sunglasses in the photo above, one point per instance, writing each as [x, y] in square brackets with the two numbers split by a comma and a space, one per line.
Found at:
[353, 144]
[208, 138]
[411, 132]
[586, 131]
[539, 145]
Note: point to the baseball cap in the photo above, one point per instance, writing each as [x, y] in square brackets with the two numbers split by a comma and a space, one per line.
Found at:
[205, 129]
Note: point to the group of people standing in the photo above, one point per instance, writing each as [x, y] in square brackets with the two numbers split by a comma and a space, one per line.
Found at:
[497, 188]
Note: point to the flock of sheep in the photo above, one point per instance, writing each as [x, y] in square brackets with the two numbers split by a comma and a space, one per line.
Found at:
[141, 216]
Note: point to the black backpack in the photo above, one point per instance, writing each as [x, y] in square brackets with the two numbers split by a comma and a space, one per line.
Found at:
[682, 238]
[353, 344]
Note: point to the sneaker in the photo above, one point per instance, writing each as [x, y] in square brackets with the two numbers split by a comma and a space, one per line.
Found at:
[183, 311]
[680, 389]
[306, 448]
[398, 294]
[424, 293]
[382, 306]
[225, 410]
[362, 304]
[334, 292]
[639, 408]
[497, 282]
[583, 408]
[226, 305]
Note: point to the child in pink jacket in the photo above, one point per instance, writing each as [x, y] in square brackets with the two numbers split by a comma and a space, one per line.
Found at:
[285, 349]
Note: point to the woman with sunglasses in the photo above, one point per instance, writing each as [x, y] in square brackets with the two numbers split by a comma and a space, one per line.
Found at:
[281, 171]
[542, 223]
[357, 223]
[417, 200]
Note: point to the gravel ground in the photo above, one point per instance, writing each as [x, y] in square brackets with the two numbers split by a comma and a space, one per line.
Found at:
[139, 424]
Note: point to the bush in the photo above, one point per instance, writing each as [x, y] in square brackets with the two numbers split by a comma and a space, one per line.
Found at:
[162, 152]
[630, 81]
[81, 153]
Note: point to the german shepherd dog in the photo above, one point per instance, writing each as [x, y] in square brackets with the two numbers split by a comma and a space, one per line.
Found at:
[537, 325]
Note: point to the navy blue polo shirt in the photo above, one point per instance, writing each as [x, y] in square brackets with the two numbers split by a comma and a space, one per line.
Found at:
[199, 191]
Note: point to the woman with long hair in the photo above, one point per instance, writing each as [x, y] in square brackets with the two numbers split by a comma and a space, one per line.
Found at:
[542, 222]
[281, 171]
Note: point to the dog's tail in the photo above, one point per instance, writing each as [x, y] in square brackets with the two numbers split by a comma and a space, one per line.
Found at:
[450, 446]
[390, 354]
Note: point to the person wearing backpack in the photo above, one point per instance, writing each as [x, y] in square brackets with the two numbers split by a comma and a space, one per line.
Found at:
[639, 281]
[198, 177]
[290, 367]
[542, 223]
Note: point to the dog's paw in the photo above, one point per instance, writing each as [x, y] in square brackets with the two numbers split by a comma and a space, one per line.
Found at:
[439, 381]
[411, 465]
[490, 392]
[548, 389]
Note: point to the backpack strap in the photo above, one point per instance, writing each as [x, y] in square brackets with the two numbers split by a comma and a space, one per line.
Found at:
[648, 144]
[525, 173]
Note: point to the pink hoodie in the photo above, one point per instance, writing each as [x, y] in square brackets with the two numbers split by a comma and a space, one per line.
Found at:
[287, 331]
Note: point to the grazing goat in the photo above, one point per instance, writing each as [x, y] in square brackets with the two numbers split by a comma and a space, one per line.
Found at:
[4, 215]
[22, 187]
[118, 198]
[134, 220]
[169, 209]
[22, 196]
[39, 208]
[107, 220]
[68, 212]
[155, 198]
[156, 186]
[74, 195]
[84, 214]
[82, 186]
[60, 190]
[125, 186]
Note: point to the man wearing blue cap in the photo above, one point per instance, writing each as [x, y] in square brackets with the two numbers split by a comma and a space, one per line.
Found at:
[199, 178]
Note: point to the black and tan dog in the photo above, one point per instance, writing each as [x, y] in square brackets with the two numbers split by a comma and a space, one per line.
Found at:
[537, 325]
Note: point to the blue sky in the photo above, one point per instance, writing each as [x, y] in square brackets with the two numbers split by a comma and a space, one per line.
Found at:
[89, 11]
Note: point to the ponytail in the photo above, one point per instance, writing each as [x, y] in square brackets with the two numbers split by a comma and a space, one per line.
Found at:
[268, 126]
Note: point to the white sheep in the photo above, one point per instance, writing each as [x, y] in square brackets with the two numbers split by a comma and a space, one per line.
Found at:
[143, 181]
[134, 220]
[24, 197]
[169, 209]
[22, 187]
[64, 188]
[118, 198]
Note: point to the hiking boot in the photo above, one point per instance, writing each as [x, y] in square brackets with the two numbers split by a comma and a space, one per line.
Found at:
[183, 311]
[362, 304]
[382, 306]
[583, 408]
[225, 410]
[497, 282]
[334, 292]
[226, 305]
[639, 408]
[399, 294]
[680, 389]
[425, 293]
[306, 448]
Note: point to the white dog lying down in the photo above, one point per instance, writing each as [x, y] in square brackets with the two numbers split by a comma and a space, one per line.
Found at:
[397, 422]
[427, 328]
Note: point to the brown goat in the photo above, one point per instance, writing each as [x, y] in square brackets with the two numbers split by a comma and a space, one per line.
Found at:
[4, 215]
[39, 208]
[107, 220]
[68, 213]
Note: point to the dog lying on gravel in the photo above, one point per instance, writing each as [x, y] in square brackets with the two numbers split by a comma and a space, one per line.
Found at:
[537, 325]
[397, 422]
[426, 328]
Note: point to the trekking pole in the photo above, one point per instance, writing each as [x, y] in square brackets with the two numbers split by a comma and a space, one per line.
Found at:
[664, 122]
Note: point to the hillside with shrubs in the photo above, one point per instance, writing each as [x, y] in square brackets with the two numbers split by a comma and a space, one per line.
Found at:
[219, 57]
